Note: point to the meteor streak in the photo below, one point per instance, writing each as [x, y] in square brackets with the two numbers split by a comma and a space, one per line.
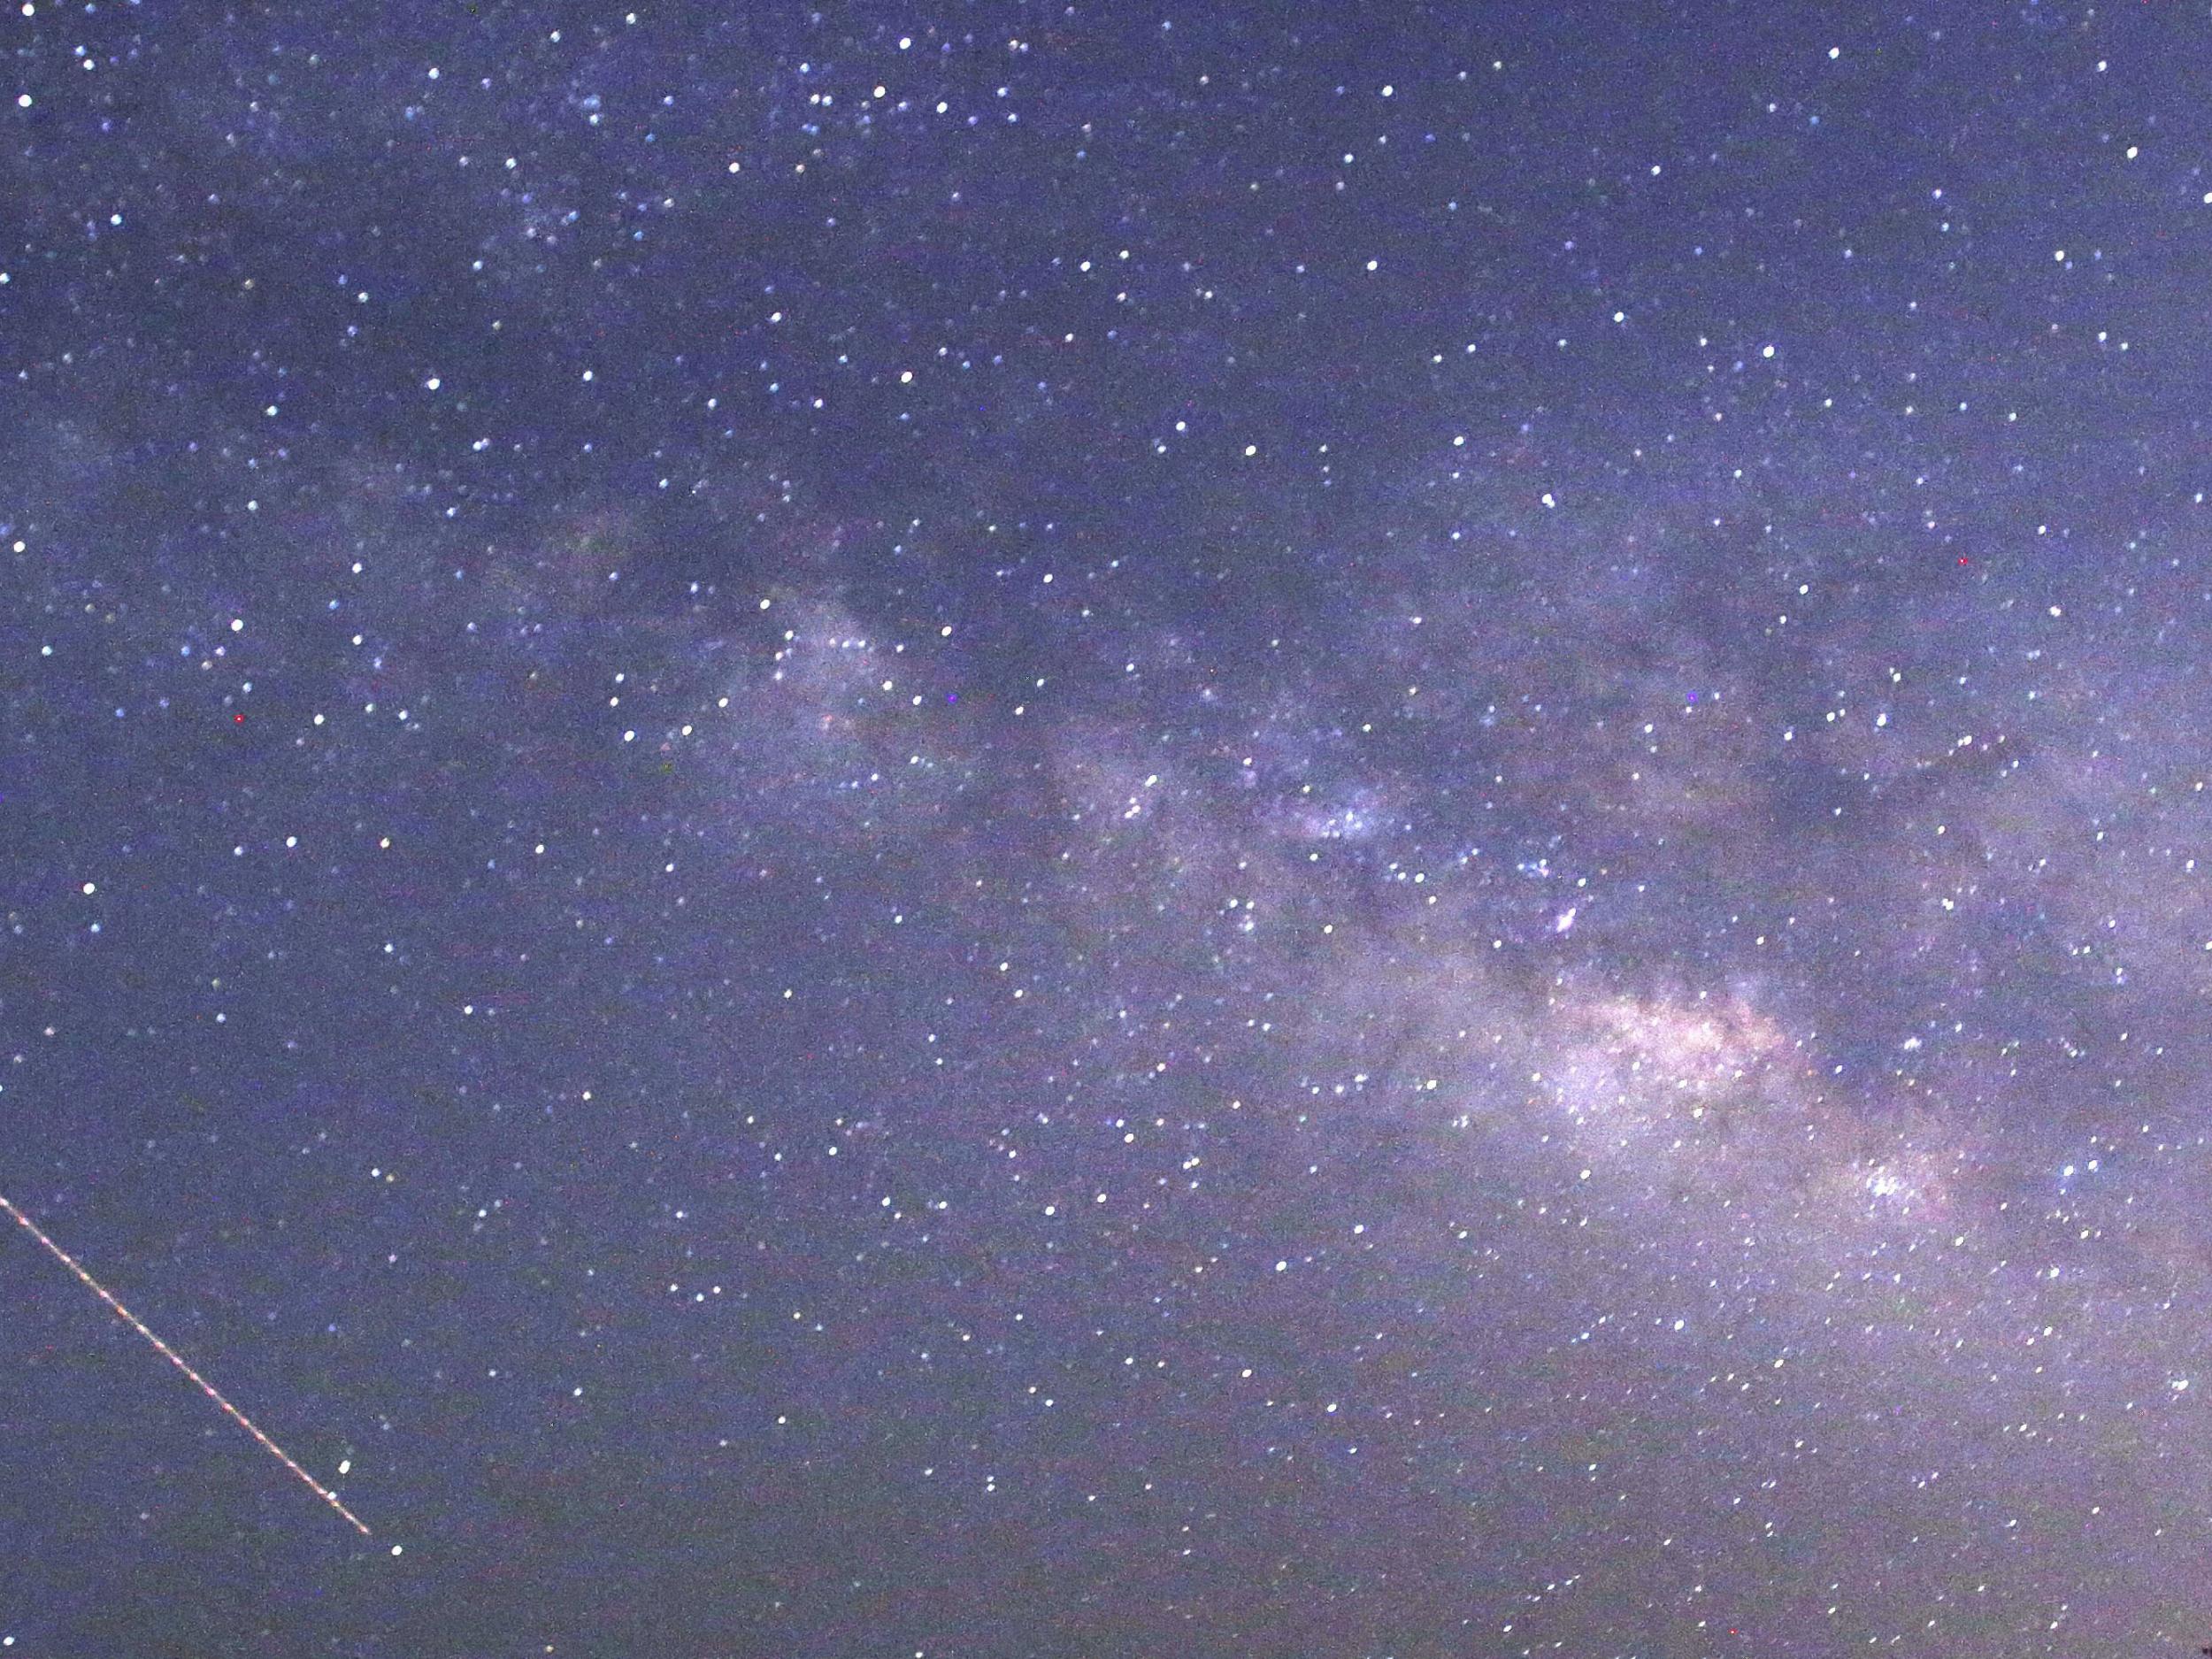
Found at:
[175, 1358]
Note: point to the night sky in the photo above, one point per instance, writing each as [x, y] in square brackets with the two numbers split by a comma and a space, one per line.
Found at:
[1294, 833]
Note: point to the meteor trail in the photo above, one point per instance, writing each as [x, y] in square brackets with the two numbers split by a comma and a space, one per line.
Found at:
[175, 1358]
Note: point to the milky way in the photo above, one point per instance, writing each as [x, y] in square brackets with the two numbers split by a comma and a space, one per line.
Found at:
[1000, 832]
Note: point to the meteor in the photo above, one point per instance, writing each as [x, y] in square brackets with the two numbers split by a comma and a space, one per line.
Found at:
[175, 1358]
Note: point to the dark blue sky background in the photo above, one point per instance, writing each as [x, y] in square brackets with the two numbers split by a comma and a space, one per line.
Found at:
[1006, 830]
